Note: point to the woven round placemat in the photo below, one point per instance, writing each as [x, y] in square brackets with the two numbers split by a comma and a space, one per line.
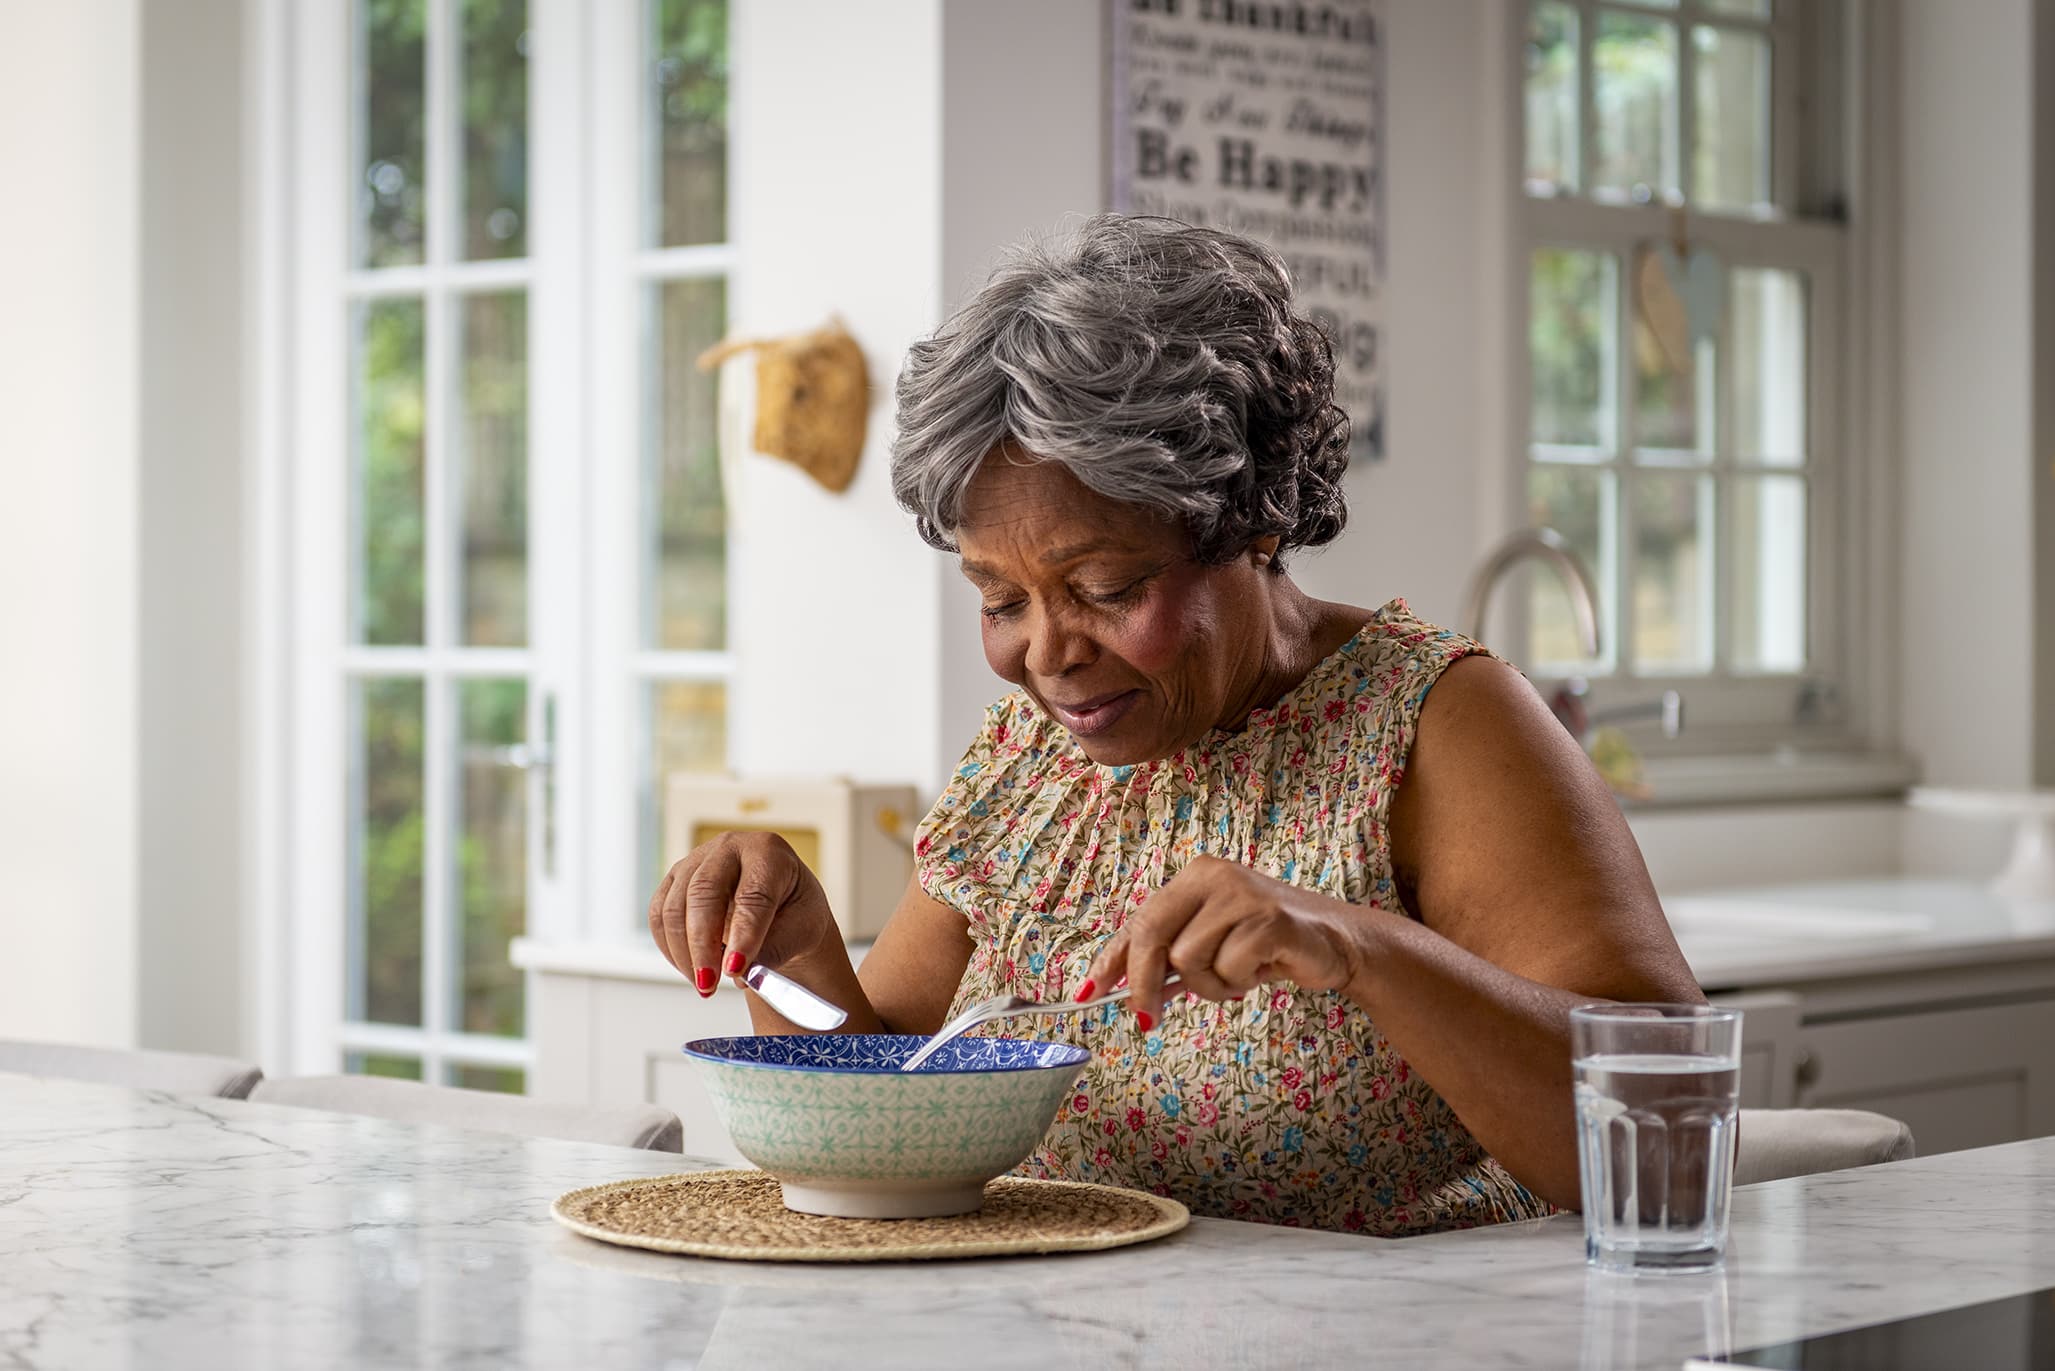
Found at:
[741, 1216]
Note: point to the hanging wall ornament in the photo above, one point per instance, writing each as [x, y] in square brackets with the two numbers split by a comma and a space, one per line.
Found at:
[1682, 291]
[812, 399]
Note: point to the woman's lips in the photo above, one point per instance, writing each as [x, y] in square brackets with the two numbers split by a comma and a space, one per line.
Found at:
[1095, 715]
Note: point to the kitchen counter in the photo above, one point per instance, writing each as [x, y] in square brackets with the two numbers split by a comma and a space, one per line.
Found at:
[1745, 936]
[148, 1230]
[1836, 929]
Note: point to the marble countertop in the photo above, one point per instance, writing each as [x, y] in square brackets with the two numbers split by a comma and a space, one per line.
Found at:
[1763, 935]
[149, 1230]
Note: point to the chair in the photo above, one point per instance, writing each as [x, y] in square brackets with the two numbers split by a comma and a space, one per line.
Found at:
[179, 1073]
[1776, 1143]
[644, 1126]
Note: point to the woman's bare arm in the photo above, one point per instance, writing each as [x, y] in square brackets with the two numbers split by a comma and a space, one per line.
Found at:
[1531, 897]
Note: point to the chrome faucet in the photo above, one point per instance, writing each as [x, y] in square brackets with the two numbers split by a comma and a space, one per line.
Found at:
[1544, 544]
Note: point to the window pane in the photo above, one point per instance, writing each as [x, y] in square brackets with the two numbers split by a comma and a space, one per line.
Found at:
[1675, 356]
[688, 731]
[492, 854]
[392, 120]
[1552, 97]
[386, 831]
[686, 544]
[492, 469]
[1577, 502]
[1730, 167]
[511, 1080]
[495, 128]
[1672, 572]
[382, 1064]
[690, 122]
[391, 416]
[1571, 326]
[1769, 366]
[1769, 574]
[1749, 9]
[1634, 79]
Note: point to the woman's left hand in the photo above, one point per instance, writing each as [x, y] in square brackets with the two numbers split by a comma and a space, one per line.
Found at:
[1226, 930]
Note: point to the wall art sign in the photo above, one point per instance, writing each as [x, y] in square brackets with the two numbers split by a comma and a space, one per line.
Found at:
[1266, 117]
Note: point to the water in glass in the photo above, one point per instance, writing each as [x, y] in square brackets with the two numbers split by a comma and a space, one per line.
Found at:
[1656, 1132]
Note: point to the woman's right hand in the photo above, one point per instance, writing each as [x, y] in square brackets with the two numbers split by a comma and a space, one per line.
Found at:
[736, 900]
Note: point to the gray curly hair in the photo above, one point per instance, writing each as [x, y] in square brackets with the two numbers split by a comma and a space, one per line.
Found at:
[1161, 364]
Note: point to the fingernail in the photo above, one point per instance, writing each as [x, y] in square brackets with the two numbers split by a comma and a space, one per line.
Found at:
[704, 979]
[1142, 1018]
[1084, 992]
[1119, 983]
[733, 965]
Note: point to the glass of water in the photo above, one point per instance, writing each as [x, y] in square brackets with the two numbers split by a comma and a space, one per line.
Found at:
[1658, 1089]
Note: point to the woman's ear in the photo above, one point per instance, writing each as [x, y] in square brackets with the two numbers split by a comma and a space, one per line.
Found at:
[1264, 550]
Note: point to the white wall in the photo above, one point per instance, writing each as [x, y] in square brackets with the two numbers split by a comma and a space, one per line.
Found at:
[837, 208]
[1415, 518]
[1965, 95]
[189, 480]
[68, 547]
[2042, 456]
[119, 571]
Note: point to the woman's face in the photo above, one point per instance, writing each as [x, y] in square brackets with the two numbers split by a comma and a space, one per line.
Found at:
[1098, 610]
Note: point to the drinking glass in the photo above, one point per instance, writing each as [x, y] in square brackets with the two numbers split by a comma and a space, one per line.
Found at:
[1657, 1096]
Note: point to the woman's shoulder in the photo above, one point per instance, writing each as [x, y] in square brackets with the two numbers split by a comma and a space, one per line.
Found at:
[1381, 677]
[1397, 649]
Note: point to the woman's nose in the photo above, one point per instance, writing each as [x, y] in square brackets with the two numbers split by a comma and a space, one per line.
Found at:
[1054, 644]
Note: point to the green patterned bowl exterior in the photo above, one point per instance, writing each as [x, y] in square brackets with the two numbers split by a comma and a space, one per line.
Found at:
[834, 1109]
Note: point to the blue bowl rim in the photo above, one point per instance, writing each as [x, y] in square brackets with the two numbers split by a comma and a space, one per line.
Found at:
[1081, 1055]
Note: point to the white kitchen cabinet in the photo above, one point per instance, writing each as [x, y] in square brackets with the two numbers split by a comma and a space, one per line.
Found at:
[1959, 1077]
[1769, 1045]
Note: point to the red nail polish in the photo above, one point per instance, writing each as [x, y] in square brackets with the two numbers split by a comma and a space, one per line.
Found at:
[704, 979]
[1084, 992]
[733, 966]
[1142, 1018]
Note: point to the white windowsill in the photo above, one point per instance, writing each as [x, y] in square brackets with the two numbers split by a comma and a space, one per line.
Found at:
[1761, 777]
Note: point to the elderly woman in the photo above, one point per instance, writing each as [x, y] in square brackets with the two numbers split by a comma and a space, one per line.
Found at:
[1381, 869]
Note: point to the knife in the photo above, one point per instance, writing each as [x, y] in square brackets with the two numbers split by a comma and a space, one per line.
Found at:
[794, 1000]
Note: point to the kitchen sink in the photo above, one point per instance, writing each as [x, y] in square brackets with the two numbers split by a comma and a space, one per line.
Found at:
[1699, 920]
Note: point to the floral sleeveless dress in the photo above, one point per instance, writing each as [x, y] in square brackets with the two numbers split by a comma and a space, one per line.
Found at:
[1287, 1106]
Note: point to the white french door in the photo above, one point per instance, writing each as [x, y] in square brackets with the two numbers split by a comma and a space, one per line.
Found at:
[505, 246]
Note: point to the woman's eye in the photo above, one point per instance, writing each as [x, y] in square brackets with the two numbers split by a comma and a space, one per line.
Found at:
[1005, 611]
[1119, 595]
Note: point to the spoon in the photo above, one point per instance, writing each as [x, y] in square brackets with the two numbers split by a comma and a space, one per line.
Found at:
[1005, 1006]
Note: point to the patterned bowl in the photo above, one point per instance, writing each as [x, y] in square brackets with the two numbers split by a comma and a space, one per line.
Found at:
[847, 1133]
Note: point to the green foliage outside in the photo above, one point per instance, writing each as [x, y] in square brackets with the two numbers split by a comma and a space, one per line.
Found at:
[392, 37]
[391, 515]
[688, 205]
[691, 92]
[495, 100]
[393, 725]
